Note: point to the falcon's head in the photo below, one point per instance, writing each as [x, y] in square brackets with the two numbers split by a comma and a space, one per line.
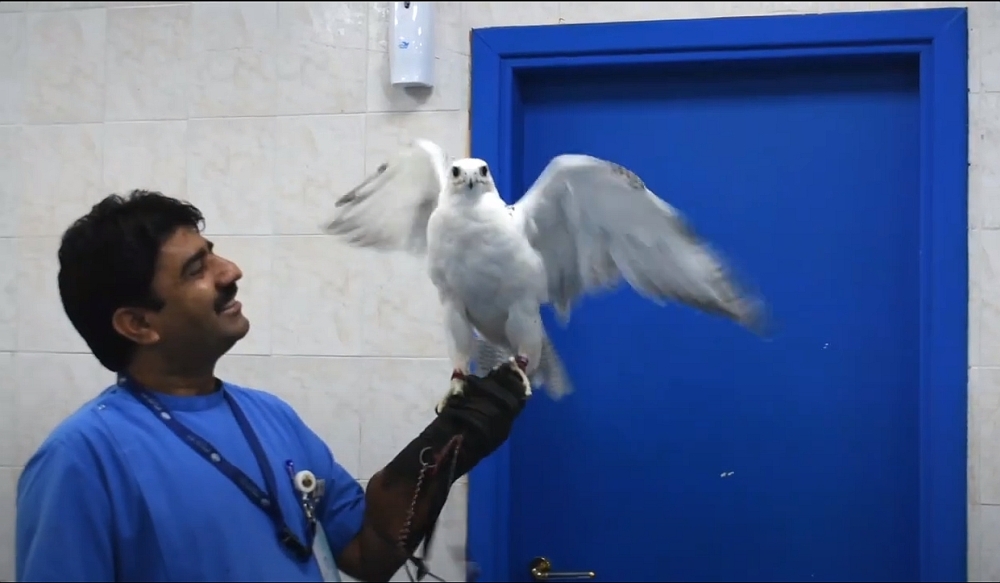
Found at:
[470, 176]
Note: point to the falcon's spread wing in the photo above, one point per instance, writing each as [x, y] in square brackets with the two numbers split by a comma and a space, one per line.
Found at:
[389, 210]
[595, 222]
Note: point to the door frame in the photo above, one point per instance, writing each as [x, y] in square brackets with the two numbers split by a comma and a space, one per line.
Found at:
[939, 37]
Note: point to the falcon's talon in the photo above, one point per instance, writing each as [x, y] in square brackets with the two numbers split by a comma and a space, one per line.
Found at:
[520, 369]
[457, 388]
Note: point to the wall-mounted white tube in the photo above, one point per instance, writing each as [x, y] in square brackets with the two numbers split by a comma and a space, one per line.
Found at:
[411, 44]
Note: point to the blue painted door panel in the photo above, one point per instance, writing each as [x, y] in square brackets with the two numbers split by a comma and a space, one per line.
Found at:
[694, 450]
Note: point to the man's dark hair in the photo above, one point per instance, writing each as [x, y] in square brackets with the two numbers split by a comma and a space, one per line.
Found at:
[107, 260]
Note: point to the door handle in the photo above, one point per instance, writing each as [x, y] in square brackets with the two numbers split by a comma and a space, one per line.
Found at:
[541, 570]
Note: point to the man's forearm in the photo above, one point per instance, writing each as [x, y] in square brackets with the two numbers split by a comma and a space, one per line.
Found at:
[389, 534]
[404, 499]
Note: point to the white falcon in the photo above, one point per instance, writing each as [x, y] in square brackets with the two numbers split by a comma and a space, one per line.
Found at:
[585, 224]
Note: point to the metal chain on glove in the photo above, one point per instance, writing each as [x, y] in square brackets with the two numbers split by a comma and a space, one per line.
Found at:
[427, 468]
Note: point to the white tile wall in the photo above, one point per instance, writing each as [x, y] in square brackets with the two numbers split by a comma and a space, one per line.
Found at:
[258, 112]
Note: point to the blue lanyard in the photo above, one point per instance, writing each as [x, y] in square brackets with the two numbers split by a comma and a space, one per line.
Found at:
[266, 501]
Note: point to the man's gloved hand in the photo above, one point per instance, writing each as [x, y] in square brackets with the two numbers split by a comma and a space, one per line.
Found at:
[480, 418]
[410, 492]
[488, 405]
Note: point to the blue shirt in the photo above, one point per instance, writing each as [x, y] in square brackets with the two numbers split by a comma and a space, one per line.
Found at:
[114, 495]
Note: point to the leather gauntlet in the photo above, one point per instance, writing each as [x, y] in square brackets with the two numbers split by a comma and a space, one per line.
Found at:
[469, 428]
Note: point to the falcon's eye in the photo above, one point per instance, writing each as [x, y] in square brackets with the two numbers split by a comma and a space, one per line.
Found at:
[483, 171]
[455, 171]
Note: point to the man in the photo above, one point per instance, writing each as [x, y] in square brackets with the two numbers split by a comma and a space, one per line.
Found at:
[174, 475]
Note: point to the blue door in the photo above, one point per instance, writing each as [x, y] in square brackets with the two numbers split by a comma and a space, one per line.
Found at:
[692, 449]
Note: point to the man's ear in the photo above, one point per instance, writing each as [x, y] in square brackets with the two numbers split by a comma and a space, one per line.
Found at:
[133, 323]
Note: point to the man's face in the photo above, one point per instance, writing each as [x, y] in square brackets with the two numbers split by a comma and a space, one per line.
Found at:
[200, 316]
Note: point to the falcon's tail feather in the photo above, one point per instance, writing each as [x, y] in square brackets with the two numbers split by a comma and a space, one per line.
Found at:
[550, 375]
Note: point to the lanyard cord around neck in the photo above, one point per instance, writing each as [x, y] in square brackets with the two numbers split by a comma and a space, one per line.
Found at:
[265, 500]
